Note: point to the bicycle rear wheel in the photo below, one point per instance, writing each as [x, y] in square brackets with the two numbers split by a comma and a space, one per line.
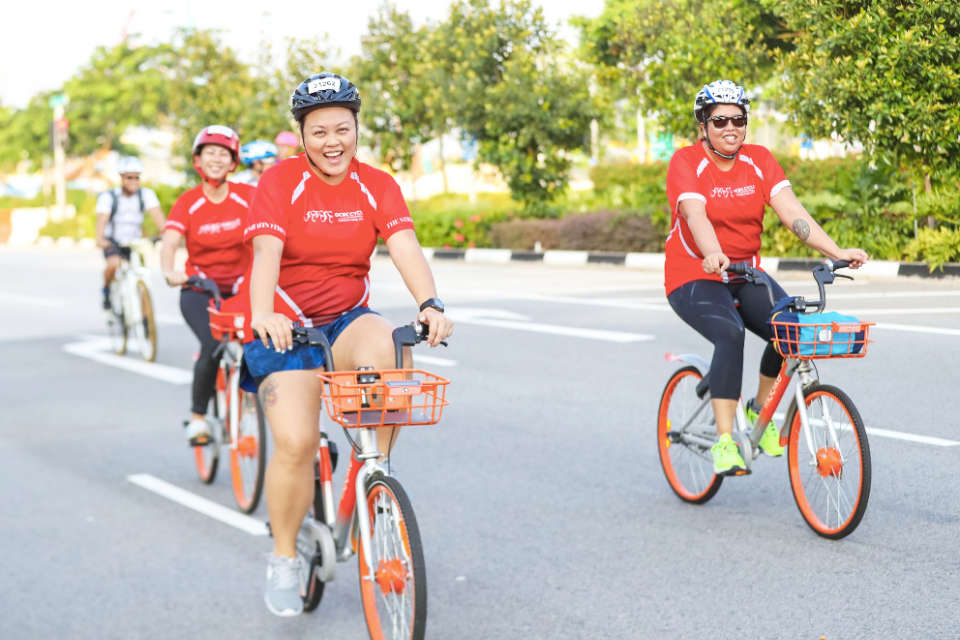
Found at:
[148, 332]
[248, 456]
[831, 484]
[395, 595]
[688, 466]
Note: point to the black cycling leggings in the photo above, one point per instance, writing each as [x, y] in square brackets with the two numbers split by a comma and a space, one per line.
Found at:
[193, 306]
[708, 306]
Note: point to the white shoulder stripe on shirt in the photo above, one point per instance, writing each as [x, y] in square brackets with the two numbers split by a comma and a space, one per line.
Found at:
[196, 205]
[703, 165]
[355, 176]
[300, 187]
[750, 162]
[237, 198]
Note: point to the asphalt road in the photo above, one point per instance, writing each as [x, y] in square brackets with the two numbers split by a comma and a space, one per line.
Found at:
[540, 499]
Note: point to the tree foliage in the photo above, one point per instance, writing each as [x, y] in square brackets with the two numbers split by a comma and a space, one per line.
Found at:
[881, 72]
[514, 91]
[403, 93]
[665, 51]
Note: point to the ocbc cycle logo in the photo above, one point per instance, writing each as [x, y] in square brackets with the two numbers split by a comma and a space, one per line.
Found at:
[318, 216]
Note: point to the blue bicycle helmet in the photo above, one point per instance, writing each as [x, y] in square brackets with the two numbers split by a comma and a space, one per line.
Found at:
[257, 150]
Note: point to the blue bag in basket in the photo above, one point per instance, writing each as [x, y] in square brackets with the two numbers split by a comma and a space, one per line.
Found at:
[815, 335]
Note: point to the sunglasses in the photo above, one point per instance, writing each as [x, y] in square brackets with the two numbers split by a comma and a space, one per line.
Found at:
[720, 122]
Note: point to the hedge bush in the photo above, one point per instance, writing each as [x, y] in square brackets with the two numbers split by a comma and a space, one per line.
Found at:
[597, 231]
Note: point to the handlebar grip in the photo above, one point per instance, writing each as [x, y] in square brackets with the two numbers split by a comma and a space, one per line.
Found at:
[740, 268]
[839, 264]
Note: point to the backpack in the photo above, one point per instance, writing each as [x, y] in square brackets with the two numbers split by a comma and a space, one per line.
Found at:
[115, 202]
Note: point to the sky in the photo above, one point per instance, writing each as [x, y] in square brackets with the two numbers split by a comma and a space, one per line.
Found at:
[45, 43]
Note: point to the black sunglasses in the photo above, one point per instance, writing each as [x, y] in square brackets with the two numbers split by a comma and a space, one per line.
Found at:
[720, 122]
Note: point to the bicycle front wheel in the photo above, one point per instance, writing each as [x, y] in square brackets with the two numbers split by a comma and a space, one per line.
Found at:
[688, 465]
[248, 455]
[829, 467]
[116, 323]
[148, 333]
[207, 456]
[395, 595]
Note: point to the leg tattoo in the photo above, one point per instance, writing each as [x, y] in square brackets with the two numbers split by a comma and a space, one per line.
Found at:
[268, 393]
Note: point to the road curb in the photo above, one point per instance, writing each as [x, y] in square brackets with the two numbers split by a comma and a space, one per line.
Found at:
[654, 261]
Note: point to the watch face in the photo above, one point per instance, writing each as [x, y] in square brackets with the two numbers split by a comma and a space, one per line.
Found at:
[435, 303]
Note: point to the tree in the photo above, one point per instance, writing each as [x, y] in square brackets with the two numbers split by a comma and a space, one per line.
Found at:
[514, 89]
[121, 86]
[25, 133]
[664, 52]
[881, 72]
[402, 87]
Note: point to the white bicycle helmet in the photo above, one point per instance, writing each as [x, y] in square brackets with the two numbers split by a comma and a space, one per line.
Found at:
[720, 92]
[129, 164]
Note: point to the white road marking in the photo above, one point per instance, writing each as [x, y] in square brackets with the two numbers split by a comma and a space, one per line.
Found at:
[897, 435]
[192, 501]
[434, 360]
[917, 328]
[19, 298]
[97, 348]
[912, 311]
[509, 320]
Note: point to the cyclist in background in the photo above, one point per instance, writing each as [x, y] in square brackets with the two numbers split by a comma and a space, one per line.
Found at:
[120, 217]
[210, 217]
[313, 225]
[287, 144]
[257, 156]
[717, 189]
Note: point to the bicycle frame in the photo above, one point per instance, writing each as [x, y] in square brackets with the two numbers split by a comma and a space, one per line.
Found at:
[703, 434]
[128, 274]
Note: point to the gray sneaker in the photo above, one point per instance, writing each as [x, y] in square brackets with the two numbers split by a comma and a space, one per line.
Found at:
[282, 593]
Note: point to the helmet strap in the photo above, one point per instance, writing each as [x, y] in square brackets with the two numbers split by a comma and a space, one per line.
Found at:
[210, 181]
[706, 136]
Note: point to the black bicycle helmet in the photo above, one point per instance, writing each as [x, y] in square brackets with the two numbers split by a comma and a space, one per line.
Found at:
[323, 90]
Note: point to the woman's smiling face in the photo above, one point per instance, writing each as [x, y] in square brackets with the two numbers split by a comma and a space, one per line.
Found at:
[330, 137]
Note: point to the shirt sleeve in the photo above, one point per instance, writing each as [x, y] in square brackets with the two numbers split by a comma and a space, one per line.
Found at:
[682, 182]
[150, 199]
[104, 203]
[774, 179]
[268, 212]
[179, 219]
[392, 215]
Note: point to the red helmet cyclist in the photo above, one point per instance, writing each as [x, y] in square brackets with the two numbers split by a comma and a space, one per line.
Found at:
[314, 224]
[211, 168]
[209, 217]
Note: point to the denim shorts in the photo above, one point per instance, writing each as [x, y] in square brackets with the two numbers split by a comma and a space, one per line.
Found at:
[260, 361]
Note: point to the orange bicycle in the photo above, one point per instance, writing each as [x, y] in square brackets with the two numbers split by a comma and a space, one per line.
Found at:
[828, 457]
[236, 417]
[380, 527]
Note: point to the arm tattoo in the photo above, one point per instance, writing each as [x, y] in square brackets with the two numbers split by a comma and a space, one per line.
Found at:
[802, 229]
[268, 393]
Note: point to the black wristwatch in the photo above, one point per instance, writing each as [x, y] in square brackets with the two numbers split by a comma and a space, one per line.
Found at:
[435, 303]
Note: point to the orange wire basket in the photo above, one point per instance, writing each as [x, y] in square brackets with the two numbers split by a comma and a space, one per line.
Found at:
[225, 324]
[821, 340]
[394, 397]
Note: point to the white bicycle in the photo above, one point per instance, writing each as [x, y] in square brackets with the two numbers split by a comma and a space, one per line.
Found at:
[130, 319]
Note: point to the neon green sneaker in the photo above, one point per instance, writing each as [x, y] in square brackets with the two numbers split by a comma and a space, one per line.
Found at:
[726, 457]
[770, 440]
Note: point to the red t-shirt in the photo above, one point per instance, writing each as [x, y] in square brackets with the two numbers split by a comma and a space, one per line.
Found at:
[328, 233]
[214, 233]
[735, 202]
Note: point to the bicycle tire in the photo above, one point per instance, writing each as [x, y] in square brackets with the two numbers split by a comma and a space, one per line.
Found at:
[148, 341]
[207, 456]
[312, 591]
[399, 583]
[248, 456]
[688, 471]
[834, 475]
[116, 323]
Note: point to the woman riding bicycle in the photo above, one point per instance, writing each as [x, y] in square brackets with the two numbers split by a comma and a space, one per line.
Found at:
[210, 216]
[313, 225]
[717, 189]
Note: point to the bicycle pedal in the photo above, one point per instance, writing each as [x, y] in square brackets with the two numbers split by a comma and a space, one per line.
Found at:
[201, 441]
[741, 472]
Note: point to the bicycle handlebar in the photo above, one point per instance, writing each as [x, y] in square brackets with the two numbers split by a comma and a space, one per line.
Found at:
[823, 273]
[404, 336]
[207, 286]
